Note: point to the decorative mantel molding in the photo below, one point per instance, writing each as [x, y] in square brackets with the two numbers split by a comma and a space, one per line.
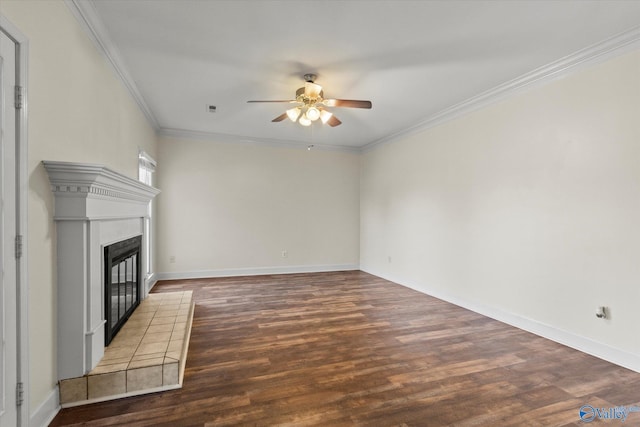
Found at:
[100, 192]
[94, 207]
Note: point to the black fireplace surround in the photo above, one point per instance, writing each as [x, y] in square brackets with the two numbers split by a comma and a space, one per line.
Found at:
[122, 284]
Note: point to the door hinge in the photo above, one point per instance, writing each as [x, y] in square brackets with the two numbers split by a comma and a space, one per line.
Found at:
[19, 394]
[17, 97]
[18, 246]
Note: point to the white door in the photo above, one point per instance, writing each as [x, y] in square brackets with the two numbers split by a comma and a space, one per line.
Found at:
[8, 298]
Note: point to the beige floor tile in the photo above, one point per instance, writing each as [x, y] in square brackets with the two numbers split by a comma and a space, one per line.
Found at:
[128, 337]
[118, 353]
[175, 345]
[168, 327]
[148, 356]
[73, 390]
[144, 378]
[114, 361]
[129, 334]
[151, 306]
[169, 305]
[137, 325]
[170, 374]
[165, 313]
[104, 369]
[178, 335]
[173, 354]
[141, 314]
[157, 337]
[146, 362]
[181, 326]
[156, 347]
[106, 384]
[124, 340]
[163, 320]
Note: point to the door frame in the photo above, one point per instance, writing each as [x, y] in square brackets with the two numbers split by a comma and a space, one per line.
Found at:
[22, 294]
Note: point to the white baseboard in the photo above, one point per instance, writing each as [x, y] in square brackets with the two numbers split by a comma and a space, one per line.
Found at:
[578, 342]
[258, 271]
[46, 412]
[150, 281]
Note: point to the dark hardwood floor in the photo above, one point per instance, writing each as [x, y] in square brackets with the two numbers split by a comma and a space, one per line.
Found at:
[348, 348]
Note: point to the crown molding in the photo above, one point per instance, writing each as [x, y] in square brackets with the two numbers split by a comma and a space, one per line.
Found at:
[594, 54]
[237, 139]
[88, 18]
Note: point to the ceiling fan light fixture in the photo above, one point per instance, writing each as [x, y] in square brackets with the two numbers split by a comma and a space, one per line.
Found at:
[313, 114]
[304, 120]
[312, 90]
[294, 113]
[325, 116]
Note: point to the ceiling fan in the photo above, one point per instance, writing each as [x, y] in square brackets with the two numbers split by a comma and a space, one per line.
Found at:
[311, 105]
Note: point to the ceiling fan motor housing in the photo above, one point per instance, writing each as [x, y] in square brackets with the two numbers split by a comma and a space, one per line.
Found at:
[301, 98]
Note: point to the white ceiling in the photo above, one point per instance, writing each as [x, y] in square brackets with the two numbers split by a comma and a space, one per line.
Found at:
[412, 59]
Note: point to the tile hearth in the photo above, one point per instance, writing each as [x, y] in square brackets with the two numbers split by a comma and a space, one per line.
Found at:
[147, 355]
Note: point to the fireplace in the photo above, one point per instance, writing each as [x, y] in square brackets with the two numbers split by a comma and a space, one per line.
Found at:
[122, 284]
[96, 208]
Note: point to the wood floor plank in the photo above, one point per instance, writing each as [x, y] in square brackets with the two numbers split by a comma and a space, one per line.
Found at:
[352, 349]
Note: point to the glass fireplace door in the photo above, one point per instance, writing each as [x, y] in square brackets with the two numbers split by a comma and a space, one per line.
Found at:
[122, 268]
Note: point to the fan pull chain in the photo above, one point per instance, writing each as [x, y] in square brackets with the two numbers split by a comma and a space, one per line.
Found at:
[310, 146]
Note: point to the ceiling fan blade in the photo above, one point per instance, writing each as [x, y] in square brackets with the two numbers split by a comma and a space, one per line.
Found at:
[334, 121]
[282, 100]
[350, 103]
[280, 118]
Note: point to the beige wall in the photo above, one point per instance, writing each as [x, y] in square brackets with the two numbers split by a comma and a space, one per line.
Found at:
[229, 206]
[530, 206]
[78, 111]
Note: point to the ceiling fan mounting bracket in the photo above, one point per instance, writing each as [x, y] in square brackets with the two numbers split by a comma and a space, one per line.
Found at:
[310, 78]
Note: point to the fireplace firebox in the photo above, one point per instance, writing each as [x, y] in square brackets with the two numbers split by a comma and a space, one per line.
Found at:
[122, 284]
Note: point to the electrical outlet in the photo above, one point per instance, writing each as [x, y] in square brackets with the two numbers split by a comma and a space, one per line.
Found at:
[172, 259]
[284, 254]
[389, 259]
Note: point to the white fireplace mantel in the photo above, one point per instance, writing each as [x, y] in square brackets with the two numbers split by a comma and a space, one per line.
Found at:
[89, 191]
[94, 207]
